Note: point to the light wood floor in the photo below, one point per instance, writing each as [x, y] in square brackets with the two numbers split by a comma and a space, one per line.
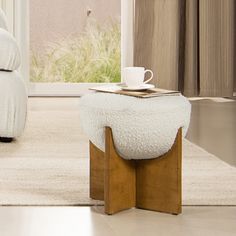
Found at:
[210, 121]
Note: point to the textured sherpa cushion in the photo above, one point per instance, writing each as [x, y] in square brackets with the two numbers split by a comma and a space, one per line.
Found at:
[13, 104]
[3, 20]
[142, 128]
[9, 52]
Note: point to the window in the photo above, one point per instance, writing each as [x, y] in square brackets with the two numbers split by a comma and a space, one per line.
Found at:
[83, 48]
[75, 42]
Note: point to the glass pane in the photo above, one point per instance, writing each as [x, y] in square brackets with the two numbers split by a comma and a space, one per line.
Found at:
[75, 41]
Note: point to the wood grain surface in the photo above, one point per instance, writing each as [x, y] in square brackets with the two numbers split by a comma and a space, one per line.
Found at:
[159, 181]
[120, 179]
[97, 160]
[148, 184]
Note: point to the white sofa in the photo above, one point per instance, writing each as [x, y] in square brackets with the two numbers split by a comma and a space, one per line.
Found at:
[13, 94]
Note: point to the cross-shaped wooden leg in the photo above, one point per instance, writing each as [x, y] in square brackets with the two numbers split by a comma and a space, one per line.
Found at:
[148, 184]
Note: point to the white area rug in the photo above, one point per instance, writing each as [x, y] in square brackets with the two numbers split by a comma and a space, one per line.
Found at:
[207, 180]
[49, 164]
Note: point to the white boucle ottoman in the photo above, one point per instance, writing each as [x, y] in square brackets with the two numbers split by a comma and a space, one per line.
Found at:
[135, 150]
[142, 128]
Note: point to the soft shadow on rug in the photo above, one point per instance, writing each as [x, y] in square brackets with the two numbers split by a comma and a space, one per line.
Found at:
[49, 164]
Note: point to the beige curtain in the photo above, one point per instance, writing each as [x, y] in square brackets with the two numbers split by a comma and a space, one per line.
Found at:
[189, 44]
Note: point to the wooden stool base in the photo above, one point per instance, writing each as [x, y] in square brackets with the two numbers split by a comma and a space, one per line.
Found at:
[153, 184]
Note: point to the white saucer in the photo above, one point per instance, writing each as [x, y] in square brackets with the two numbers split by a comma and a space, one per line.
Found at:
[140, 88]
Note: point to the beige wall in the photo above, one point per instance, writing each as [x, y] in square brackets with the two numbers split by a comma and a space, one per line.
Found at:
[53, 19]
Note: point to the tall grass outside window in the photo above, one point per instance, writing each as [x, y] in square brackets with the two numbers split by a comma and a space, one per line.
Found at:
[93, 56]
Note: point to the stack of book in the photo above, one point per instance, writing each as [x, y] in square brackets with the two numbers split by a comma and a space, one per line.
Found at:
[149, 93]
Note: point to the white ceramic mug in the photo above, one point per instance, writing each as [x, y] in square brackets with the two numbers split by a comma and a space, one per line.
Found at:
[134, 76]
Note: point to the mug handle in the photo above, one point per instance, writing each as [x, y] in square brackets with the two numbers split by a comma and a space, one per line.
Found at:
[145, 82]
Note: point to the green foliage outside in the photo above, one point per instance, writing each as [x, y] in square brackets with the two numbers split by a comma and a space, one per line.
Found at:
[93, 56]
